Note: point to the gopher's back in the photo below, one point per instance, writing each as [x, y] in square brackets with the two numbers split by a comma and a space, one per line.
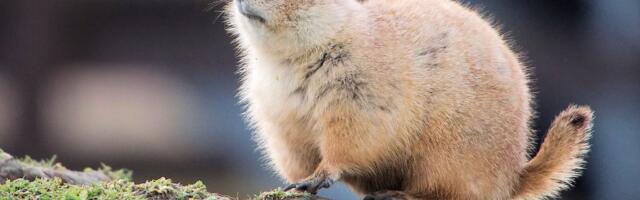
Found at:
[470, 89]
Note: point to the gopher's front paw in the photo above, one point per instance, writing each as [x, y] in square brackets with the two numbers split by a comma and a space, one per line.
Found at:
[311, 185]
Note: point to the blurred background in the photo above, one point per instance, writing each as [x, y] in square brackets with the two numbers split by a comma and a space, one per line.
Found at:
[150, 85]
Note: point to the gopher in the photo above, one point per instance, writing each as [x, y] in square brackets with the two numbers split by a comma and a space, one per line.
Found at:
[399, 99]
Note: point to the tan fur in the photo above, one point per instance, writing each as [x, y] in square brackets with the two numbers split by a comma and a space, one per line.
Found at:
[419, 98]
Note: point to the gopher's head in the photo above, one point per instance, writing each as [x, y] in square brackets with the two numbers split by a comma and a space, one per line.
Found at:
[289, 25]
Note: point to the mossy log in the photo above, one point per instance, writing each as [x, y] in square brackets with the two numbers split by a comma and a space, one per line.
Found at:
[32, 179]
[12, 168]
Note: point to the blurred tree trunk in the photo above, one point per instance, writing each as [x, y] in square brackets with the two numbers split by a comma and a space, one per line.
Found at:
[31, 54]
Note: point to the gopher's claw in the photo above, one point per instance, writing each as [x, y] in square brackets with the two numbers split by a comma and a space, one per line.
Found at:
[311, 186]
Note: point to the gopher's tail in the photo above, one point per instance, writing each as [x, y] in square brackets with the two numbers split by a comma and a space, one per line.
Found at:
[561, 156]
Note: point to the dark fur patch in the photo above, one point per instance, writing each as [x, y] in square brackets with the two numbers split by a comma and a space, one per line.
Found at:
[434, 193]
[333, 56]
[324, 89]
[432, 51]
[312, 69]
[350, 85]
[353, 84]
[388, 176]
[384, 108]
[387, 105]
[338, 54]
[578, 120]
[437, 47]
[300, 90]
[387, 195]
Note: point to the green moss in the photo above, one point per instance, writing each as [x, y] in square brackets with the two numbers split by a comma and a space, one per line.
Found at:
[279, 194]
[123, 174]
[164, 189]
[119, 188]
[51, 163]
[47, 163]
[55, 189]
